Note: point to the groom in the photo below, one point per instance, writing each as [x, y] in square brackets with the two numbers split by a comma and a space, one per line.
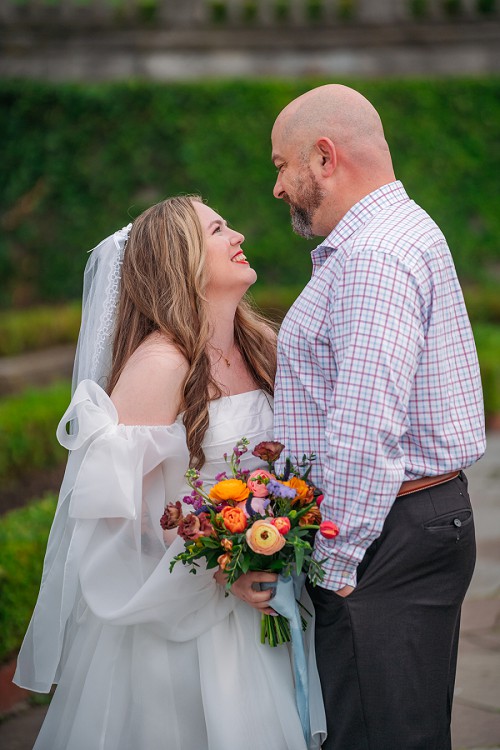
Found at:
[378, 375]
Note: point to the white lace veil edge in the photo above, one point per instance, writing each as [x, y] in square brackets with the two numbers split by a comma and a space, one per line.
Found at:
[101, 289]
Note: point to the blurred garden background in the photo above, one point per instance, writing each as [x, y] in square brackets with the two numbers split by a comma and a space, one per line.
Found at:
[108, 107]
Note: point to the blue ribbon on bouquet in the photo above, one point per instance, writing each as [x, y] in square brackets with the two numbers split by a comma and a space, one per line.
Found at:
[284, 601]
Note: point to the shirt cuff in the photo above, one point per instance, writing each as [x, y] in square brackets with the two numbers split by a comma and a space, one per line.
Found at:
[340, 568]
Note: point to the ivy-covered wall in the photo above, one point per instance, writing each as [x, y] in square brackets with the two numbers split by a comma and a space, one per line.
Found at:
[79, 161]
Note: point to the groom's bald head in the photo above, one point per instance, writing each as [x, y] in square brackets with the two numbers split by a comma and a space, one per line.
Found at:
[335, 126]
[335, 111]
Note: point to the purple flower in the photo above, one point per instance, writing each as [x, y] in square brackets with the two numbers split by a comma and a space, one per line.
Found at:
[239, 449]
[193, 499]
[276, 489]
[221, 476]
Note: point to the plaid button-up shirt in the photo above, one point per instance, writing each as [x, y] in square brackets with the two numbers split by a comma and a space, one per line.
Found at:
[377, 370]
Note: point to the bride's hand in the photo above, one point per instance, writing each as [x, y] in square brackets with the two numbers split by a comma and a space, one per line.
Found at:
[246, 588]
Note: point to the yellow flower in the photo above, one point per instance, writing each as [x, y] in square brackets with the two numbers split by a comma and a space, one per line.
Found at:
[229, 490]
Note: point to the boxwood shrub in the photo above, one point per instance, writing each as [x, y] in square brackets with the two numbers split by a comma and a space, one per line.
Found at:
[28, 423]
[23, 538]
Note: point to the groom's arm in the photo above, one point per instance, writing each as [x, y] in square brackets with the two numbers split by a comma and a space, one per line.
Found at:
[376, 335]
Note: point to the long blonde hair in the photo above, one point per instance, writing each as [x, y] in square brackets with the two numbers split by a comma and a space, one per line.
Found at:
[163, 289]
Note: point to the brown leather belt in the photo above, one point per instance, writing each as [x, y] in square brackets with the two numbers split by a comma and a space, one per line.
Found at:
[415, 485]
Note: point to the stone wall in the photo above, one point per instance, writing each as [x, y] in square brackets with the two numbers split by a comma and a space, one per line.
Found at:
[169, 40]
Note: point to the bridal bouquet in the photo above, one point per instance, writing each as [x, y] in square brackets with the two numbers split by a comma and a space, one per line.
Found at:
[259, 520]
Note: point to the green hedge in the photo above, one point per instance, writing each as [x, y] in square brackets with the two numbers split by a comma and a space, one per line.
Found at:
[487, 339]
[38, 328]
[82, 160]
[41, 327]
[28, 423]
[23, 538]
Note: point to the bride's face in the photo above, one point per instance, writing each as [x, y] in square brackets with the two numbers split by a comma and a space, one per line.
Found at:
[228, 270]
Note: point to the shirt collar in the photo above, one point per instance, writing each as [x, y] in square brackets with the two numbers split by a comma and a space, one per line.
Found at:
[357, 216]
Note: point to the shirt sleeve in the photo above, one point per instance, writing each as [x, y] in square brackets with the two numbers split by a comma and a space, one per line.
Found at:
[377, 331]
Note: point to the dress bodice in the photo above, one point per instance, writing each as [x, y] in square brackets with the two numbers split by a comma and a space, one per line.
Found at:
[248, 415]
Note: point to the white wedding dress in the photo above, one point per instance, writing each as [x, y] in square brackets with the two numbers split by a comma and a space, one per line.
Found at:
[146, 659]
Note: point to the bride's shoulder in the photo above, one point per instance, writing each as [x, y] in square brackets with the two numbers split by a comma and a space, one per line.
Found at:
[148, 391]
[157, 347]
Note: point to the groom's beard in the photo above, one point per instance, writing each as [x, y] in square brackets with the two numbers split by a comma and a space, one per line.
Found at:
[309, 200]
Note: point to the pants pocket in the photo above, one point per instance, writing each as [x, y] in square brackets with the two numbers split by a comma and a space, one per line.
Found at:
[453, 523]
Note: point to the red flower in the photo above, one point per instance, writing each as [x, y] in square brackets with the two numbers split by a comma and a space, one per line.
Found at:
[269, 451]
[172, 516]
[319, 500]
[329, 529]
[282, 524]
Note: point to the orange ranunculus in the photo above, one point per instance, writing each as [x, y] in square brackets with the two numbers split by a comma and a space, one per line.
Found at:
[264, 538]
[305, 492]
[311, 518]
[234, 519]
[229, 490]
[224, 561]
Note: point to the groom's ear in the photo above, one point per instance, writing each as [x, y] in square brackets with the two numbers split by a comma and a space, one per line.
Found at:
[326, 155]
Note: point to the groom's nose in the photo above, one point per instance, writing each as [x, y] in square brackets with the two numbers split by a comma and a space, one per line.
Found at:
[278, 191]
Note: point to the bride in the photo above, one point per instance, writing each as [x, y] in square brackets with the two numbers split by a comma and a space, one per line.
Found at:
[172, 369]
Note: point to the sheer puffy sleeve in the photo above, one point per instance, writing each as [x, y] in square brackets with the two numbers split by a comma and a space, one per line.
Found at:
[106, 550]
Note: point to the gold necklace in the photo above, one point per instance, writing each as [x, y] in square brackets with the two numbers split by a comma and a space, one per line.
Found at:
[222, 356]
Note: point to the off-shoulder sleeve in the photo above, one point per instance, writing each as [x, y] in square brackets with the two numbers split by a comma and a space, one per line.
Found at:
[106, 549]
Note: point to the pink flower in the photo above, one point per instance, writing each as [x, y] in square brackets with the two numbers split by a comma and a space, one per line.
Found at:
[257, 483]
[258, 504]
[319, 500]
[193, 526]
[189, 527]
